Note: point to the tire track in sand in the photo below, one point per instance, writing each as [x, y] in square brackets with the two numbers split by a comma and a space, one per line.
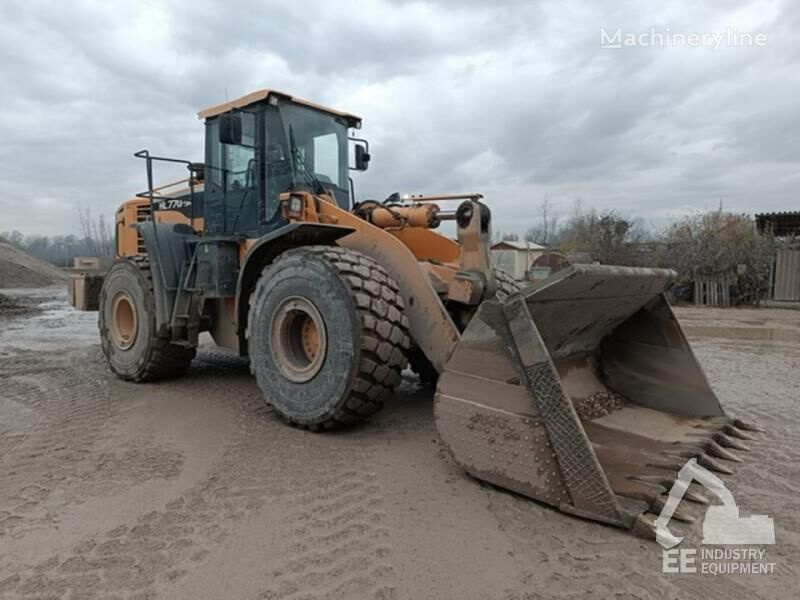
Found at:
[52, 462]
[150, 552]
[336, 542]
[340, 545]
[67, 409]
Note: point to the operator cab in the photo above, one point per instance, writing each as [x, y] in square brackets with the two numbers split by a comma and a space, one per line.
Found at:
[267, 143]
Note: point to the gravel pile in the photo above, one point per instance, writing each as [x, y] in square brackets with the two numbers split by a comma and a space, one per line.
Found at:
[18, 269]
[599, 404]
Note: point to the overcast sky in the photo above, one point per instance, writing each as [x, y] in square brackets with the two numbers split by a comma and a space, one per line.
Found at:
[512, 99]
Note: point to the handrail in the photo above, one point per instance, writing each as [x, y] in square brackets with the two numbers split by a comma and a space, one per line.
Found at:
[151, 193]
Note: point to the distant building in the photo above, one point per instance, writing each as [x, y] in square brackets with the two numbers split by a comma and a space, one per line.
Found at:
[516, 258]
[780, 224]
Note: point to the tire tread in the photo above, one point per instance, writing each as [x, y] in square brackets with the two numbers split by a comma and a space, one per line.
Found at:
[384, 332]
[166, 360]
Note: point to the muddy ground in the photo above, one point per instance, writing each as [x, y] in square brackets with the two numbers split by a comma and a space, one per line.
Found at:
[193, 489]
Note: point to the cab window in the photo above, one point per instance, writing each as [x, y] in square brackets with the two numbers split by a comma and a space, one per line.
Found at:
[239, 162]
[326, 158]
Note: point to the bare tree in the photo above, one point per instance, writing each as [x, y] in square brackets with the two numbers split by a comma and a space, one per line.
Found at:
[546, 231]
[15, 238]
[96, 232]
[85, 221]
[607, 236]
[720, 244]
[499, 235]
[104, 238]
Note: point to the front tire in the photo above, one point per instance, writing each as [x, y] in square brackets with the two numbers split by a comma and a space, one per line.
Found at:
[327, 337]
[127, 323]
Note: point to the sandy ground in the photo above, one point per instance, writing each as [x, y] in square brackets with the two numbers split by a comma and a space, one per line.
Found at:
[193, 489]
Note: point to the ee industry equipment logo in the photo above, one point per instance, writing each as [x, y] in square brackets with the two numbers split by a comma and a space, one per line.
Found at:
[730, 542]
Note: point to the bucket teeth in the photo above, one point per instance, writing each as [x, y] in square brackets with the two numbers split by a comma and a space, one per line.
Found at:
[694, 494]
[714, 449]
[661, 485]
[704, 460]
[727, 441]
[747, 426]
[734, 431]
[681, 513]
[668, 463]
[652, 486]
[645, 525]
[690, 449]
[657, 481]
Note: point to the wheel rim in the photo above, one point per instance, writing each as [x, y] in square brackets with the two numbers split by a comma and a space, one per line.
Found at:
[298, 339]
[124, 321]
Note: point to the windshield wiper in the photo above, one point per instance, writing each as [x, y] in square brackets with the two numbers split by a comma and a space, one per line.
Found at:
[300, 162]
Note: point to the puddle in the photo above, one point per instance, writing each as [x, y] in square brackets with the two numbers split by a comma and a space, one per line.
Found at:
[54, 326]
[754, 334]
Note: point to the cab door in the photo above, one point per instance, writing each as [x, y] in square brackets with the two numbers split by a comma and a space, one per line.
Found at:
[232, 180]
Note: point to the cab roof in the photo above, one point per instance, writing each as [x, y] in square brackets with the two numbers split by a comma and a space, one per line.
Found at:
[261, 95]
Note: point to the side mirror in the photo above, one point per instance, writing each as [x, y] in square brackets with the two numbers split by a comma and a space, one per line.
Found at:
[362, 158]
[230, 129]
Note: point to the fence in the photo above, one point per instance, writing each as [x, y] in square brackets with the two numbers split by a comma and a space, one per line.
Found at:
[713, 291]
[786, 275]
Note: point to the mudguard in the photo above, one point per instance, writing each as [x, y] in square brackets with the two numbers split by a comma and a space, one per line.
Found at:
[267, 248]
[169, 247]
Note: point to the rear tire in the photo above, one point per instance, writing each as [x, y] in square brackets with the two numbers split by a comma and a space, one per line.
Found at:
[127, 322]
[327, 336]
[427, 373]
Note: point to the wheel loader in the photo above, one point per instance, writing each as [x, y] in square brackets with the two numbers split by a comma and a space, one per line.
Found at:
[581, 391]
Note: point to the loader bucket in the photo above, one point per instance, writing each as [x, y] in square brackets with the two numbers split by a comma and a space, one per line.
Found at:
[582, 392]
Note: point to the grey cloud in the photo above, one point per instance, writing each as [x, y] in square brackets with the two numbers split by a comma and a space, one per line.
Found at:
[513, 99]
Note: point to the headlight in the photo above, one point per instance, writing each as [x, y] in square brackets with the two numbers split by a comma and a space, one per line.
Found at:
[295, 205]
